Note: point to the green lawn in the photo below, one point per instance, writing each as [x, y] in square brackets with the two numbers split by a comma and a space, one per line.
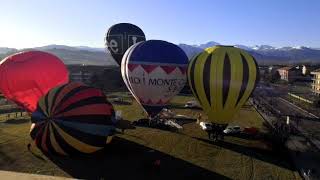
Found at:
[185, 154]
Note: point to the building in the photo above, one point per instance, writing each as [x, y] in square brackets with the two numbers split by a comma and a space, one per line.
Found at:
[104, 77]
[315, 81]
[284, 73]
[82, 73]
[81, 76]
[290, 73]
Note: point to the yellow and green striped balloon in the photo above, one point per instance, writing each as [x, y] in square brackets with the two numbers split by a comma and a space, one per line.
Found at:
[222, 78]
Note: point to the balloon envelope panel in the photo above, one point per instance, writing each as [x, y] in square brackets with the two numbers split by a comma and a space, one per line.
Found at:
[26, 76]
[222, 78]
[72, 119]
[120, 37]
[154, 71]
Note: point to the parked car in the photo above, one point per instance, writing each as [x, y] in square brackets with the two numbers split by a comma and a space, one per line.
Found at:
[250, 130]
[232, 130]
[191, 104]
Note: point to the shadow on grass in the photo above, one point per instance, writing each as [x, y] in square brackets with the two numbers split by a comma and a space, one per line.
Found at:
[273, 157]
[186, 94]
[183, 121]
[163, 127]
[4, 158]
[181, 106]
[16, 121]
[159, 127]
[246, 106]
[121, 103]
[123, 159]
[124, 125]
[257, 136]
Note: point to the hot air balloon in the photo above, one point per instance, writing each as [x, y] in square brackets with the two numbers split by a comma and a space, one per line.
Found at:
[72, 119]
[154, 71]
[120, 37]
[222, 78]
[26, 76]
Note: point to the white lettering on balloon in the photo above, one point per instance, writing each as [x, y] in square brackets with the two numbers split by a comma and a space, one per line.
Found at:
[113, 46]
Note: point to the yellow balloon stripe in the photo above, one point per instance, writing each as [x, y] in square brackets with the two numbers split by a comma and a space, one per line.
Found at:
[191, 73]
[54, 143]
[218, 84]
[198, 79]
[80, 146]
[236, 79]
[252, 77]
[238, 75]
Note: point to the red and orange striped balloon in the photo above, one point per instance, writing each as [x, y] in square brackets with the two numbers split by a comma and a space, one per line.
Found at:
[73, 118]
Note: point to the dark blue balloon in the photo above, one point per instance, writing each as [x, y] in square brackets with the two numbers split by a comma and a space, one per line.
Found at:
[158, 51]
[154, 71]
[120, 37]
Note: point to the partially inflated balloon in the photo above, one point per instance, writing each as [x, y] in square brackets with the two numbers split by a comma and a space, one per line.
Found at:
[72, 119]
[222, 78]
[26, 76]
[154, 71]
[120, 37]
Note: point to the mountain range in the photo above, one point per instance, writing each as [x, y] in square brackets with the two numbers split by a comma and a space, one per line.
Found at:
[71, 54]
[265, 54]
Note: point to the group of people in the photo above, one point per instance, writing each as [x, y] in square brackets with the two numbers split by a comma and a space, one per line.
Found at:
[214, 130]
[215, 133]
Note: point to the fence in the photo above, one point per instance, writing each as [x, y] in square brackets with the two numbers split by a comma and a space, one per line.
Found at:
[301, 98]
[12, 115]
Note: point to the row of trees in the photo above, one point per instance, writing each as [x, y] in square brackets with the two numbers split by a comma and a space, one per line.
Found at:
[271, 77]
[108, 80]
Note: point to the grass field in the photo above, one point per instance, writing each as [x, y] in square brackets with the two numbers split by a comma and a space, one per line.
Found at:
[183, 155]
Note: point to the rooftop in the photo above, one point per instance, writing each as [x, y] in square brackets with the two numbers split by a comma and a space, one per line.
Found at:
[286, 68]
[316, 71]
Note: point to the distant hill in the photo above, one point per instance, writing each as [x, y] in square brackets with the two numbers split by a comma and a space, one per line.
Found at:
[190, 50]
[5, 50]
[71, 48]
[264, 54]
[83, 57]
[71, 55]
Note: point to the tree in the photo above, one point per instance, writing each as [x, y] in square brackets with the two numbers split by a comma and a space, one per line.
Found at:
[95, 81]
[275, 77]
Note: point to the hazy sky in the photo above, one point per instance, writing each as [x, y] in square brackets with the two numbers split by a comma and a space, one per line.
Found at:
[30, 23]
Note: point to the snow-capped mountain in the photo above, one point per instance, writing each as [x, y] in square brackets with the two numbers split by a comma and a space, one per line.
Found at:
[190, 50]
[206, 45]
[263, 48]
[265, 53]
[247, 48]
[99, 56]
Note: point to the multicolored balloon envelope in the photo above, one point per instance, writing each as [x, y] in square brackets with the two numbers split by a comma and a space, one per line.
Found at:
[222, 78]
[120, 37]
[26, 76]
[72, 119]
[154, 71]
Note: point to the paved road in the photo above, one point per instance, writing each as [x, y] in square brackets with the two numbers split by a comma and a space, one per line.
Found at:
[305, 155]
[308, 122]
